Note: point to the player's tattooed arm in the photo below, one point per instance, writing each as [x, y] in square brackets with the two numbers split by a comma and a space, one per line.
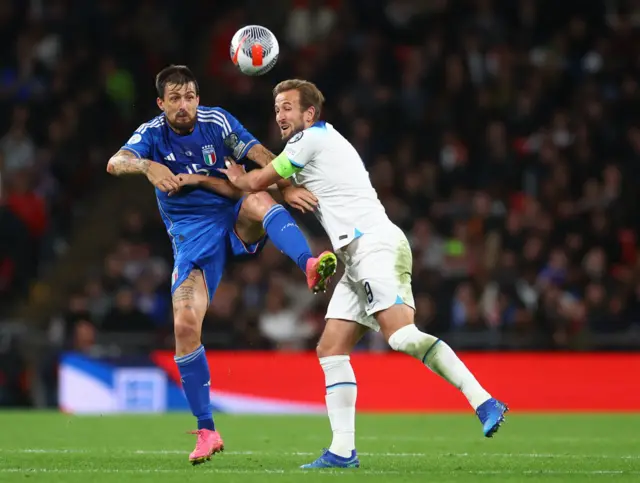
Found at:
[126, 162]
[260, 155]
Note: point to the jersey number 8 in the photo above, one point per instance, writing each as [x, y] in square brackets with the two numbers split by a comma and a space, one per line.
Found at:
[367, 290]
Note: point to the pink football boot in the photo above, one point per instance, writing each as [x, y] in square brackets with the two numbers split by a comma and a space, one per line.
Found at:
[208, 443]
[320, 270]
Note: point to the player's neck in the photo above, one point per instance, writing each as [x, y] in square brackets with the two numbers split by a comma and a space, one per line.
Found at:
[182, 132]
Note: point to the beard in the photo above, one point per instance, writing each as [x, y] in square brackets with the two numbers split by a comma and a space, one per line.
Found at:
[292, 131]
[182, 125]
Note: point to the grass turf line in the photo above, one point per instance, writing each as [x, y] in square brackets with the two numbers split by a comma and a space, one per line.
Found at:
[53, 447]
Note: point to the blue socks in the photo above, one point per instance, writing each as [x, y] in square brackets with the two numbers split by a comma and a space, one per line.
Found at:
[286, 236]
[196, 382]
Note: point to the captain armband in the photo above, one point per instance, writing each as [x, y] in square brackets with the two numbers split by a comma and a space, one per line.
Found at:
[284, 166]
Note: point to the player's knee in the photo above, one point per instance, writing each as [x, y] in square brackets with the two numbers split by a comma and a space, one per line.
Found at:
[258, 204]
[410, 340]
[329, 349]
[323, 350]
[187, 328]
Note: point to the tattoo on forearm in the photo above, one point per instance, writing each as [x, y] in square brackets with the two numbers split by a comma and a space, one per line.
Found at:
[125, 162]
[260, 155]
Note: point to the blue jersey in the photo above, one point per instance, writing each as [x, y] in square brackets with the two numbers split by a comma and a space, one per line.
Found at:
[216, 134]
[199, 222]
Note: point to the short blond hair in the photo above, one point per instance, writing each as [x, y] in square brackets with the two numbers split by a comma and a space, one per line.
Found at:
[310, 95]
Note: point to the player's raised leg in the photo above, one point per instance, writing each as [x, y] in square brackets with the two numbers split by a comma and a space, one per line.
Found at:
[190, 301]
[259, 210]
[382, 268]
[396, 323]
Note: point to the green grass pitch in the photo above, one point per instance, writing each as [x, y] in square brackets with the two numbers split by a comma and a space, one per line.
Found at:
[52, 447]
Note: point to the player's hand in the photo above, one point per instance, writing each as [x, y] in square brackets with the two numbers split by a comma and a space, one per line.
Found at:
[300, 198]
[162, 178]
[186, 179]
[233, 170]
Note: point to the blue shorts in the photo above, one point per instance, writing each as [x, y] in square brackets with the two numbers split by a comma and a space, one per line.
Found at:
[210, 250]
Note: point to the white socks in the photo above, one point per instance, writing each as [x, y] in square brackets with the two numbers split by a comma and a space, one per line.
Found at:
[341, 402]
[440, 358]
[342, 390]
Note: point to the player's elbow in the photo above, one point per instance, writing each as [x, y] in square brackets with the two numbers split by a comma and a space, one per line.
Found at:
[112, 167]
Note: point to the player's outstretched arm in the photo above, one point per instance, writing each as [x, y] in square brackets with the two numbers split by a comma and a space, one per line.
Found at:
[256, 180]
[126, 162]
[262, 157]
[217, 185]
[299, 198]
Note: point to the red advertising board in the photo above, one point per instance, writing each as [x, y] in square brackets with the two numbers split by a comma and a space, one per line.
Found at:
[391, 382]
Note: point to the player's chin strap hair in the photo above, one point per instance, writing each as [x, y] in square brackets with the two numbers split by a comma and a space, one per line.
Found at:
[411, 341]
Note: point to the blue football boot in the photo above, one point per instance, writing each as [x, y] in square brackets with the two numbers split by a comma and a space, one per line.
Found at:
[491, 414]
[329, 460]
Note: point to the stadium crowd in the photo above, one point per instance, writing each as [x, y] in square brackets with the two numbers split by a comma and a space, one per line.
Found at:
[501, 135]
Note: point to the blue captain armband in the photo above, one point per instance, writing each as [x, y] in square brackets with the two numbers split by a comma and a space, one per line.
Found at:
[284, 167]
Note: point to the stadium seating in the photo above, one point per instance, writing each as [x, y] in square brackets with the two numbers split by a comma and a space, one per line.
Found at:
[504, 141]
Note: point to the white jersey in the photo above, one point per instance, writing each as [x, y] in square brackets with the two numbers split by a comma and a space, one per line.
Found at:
[331, 168]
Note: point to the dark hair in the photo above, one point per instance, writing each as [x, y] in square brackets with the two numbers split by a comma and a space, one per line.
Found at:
[175, 74]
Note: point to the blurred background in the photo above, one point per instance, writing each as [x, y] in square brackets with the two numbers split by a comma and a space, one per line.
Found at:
[502, 135]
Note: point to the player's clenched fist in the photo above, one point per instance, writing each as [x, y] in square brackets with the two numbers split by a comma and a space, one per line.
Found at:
[162, 178]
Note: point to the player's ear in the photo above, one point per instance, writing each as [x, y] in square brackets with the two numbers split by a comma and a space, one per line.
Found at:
[160, 104]
[310, 114]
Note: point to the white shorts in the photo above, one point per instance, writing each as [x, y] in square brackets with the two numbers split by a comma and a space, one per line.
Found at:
[377, 276]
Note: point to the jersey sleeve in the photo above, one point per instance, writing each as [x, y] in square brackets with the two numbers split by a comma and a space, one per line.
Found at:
[141, 143]
[299, 151]
[237, 140]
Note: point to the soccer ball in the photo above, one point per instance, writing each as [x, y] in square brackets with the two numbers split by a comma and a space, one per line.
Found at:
[254, 50]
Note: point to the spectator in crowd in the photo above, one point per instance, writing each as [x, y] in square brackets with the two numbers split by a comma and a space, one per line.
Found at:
[501, 136]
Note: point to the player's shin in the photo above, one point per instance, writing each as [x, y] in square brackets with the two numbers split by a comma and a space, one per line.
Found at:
[341, 396]
[286, 235]
[196, 382]
[441, 359]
